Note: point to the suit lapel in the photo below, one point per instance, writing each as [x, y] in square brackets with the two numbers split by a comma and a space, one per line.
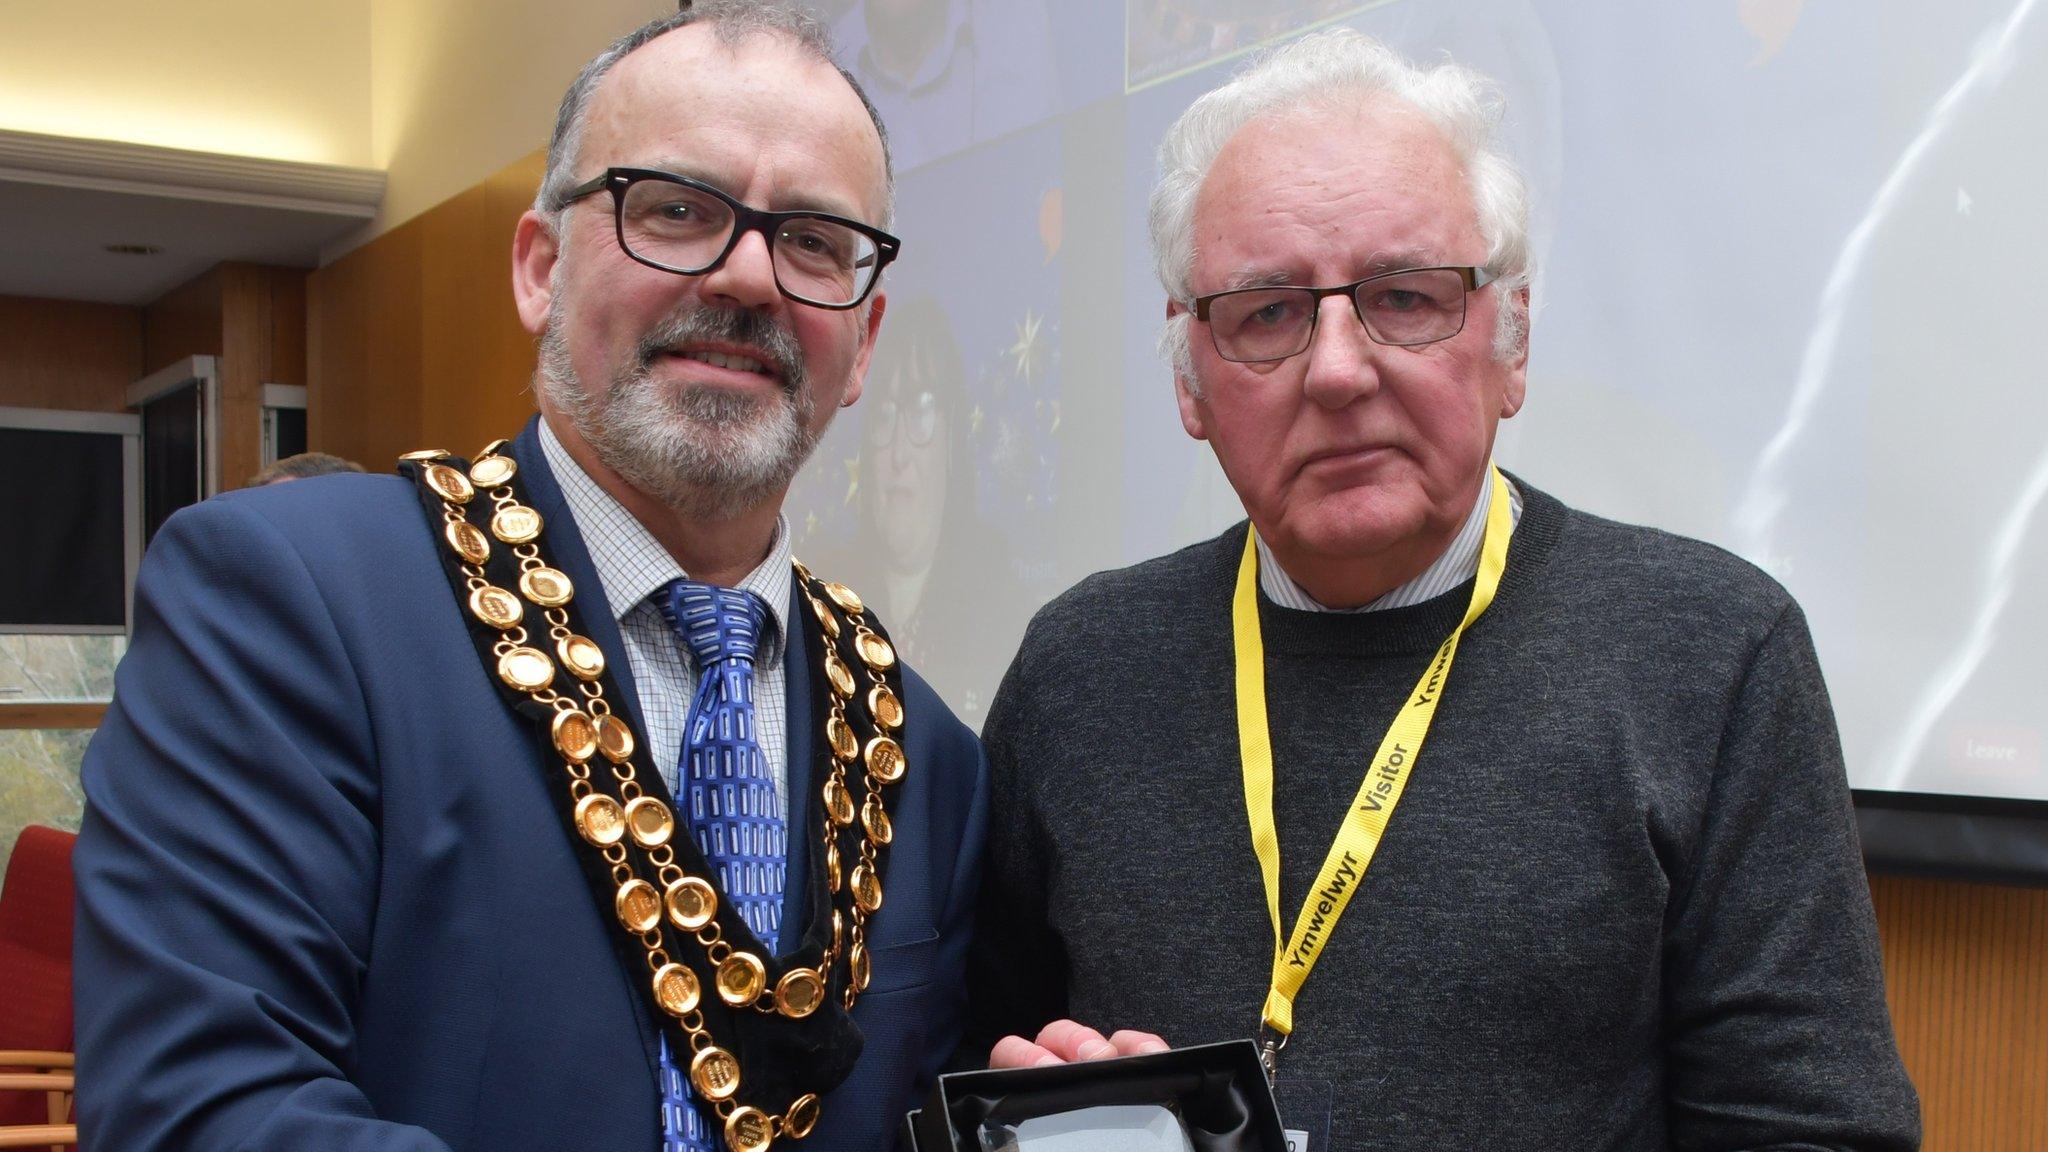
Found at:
[797, 759]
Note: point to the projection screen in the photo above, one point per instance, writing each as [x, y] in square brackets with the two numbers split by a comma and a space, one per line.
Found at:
[1788, 302]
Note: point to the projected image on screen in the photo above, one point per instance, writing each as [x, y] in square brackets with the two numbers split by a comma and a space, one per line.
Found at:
[1169, 37]
[939, 572]
[1903, 485]
[936, 496]
[946, 74]
[1784, 304]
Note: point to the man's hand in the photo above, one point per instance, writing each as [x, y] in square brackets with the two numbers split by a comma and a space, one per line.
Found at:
[1065, 1042]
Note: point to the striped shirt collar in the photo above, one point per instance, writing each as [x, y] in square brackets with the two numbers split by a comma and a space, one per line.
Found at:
[633, 566]
[1459, 563]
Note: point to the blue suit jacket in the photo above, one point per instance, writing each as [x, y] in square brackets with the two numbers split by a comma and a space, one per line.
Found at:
[325, 897]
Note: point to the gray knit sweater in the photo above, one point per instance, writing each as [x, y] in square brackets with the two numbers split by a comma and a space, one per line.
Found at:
[1620, 906]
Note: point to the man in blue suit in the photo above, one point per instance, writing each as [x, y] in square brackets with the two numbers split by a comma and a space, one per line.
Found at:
[328, 896]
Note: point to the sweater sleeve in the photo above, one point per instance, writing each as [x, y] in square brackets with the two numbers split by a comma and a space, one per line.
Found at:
[1777, 1031]
[1016, 967]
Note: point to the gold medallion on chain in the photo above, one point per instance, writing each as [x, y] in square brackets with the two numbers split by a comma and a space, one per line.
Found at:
[875, 819]
[451, 485]
[614, 739]
[867, 889]
[581, 656]
[639, 906]
[496, 607]
[676, 989]
[749, 1129]
[492, 471]
[545, 586]
[885, 707]
[838, 802]
[527, 669]
[575, 736]
[649, 821]
[600, 821]
[716, 1073]
[516, 524]
[799, 993]
[741, 979]
[469, 541]
[884, 758]
[692, 902]
[846, 598]
[874, 650]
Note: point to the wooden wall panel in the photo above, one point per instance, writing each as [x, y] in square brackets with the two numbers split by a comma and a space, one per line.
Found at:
[286, 362]
[413, 339]
[186, 321]
[68, 354]
[363, 351]
[253, 318]
[1966, 972]
[477, 359]
[264, 342]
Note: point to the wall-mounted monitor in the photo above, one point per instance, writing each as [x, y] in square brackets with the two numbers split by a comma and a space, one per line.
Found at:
[70, 498]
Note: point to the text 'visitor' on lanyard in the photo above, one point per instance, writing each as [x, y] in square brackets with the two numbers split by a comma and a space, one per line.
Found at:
[1359, 836]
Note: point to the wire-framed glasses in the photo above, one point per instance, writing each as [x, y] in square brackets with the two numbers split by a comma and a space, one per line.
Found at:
[688, 227]
[918, 418]
[1404, 308]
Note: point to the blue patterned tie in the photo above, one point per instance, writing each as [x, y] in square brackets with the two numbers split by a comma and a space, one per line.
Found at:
[727, 795]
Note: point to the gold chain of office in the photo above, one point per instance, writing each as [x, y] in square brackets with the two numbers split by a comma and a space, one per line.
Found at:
[585, 730]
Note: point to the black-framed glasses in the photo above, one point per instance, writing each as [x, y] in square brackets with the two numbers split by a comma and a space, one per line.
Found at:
[688, 227]
[1403, 308]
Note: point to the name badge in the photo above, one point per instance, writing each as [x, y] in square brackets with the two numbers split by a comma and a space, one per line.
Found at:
[1304, 1111]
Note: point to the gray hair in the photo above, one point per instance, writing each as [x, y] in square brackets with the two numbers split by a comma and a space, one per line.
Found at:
[1340, 66]
[734, 21]
[301, 467]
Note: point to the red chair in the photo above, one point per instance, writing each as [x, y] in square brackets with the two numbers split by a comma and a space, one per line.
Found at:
[35, 992]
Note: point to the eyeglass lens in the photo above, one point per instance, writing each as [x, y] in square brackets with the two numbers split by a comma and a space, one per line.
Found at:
[920, 419]
[687, 229]
[1417, 307]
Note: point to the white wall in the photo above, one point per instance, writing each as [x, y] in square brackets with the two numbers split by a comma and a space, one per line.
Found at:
[438, 93]
[461, 88]
[245, 77]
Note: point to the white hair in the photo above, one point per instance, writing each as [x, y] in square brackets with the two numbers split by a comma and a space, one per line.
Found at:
[1340, 67]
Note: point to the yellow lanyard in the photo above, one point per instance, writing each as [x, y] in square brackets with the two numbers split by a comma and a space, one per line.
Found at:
[1363, 826]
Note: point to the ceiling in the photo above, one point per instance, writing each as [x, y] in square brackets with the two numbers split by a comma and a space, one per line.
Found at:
[66, 200]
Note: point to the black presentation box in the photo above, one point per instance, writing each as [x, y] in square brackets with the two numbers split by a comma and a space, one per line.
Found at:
[1216, 1092]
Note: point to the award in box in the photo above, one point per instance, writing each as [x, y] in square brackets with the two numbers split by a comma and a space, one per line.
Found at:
[1211, 1098]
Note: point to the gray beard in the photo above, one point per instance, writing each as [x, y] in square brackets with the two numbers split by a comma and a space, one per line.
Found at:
[707, 454]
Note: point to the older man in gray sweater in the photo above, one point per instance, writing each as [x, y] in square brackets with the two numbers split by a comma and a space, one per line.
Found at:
[1506, 827]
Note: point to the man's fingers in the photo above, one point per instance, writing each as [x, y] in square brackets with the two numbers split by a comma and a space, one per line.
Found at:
[1068, 1041]
[1017, 1052]
[1132, 1043]
[1072, 1041]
